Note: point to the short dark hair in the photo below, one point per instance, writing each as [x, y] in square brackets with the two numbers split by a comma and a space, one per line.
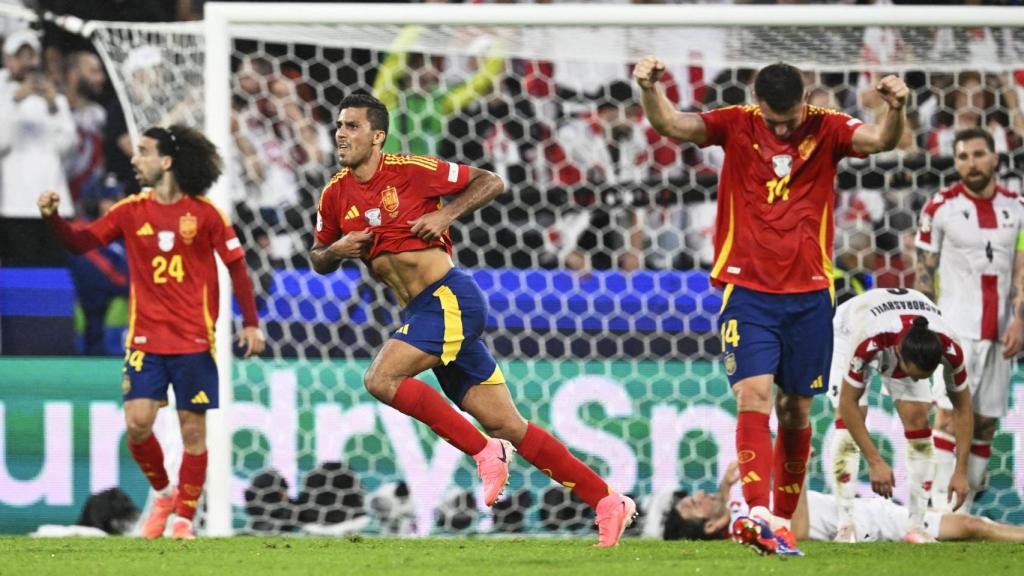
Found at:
[197, 164]
[971, 134]
[679, 528]
[780, 86]
[921, 346]
[376, 111]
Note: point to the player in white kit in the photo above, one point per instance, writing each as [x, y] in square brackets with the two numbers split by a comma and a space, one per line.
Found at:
[972, 236]
[900, 335]
[707, 516]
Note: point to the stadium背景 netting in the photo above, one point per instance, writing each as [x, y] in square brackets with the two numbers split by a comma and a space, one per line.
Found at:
[595, 260]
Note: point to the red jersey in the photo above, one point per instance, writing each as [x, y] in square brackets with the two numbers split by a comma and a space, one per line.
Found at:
[401, 190]
[774, 228]
[174, 296]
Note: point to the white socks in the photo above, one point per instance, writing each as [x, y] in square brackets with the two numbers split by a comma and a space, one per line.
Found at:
[920, 472]
[845, 469]
[944, 461]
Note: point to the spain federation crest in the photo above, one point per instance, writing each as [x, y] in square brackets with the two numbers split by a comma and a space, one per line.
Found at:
[730, 364]
[188, 227]
[389, 199]
[782, 164]
[807, 146]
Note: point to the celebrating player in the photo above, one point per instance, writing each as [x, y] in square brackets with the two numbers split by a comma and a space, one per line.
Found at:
[773, 246]
[171, 233]
[386, 210]
[701, 516]
[972, 235]
[902, 336]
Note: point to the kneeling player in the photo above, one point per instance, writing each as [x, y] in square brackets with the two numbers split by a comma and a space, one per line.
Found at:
[901, 335]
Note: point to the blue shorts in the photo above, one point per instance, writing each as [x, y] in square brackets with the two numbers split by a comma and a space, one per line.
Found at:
[194, 377]
[787, 335]
[446, 320]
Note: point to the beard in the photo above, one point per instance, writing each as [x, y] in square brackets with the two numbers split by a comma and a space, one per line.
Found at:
[977, 183]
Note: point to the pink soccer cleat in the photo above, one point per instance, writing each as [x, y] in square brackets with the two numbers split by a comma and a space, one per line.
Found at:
[492, 468]
[615, 513]
[157, 520]
[918, 535]
[182, 530]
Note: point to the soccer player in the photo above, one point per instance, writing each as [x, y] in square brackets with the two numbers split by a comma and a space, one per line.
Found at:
[702, 516]
[972, 236]
[171, 232]
[903, 337]
[773, 247]
[388, 211]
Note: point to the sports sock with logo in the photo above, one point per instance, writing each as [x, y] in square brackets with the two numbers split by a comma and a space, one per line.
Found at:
[418, 399]
[920, 470]
[792, 450]
[150, 458]
[191, 478]
[754, 456]
[550, 456]
[845, 469]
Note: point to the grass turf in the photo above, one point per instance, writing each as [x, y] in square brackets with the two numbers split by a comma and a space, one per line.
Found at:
[250, 556]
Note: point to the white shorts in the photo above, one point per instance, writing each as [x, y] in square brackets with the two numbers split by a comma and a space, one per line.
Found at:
[877, 519]
[988, 376]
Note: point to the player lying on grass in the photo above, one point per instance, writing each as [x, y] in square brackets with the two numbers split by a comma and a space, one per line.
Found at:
[707, 516]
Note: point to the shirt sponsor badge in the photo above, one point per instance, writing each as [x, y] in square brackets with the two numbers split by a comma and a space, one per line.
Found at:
[373, 216]
[782, 165]
[165, 240]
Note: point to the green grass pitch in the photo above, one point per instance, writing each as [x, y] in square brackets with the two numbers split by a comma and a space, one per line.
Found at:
[361, 556]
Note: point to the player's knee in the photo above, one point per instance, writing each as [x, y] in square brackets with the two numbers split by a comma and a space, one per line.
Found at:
[984, 428]
[511, 429]
[138, 428]
[193, 437]
[379, 385]
[753, 399]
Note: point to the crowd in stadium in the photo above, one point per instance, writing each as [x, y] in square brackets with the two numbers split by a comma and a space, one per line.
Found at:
[591, 184]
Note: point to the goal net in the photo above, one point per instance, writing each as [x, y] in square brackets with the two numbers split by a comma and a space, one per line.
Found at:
[595, 261]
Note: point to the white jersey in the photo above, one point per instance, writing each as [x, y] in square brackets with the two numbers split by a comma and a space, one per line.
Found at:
[872, 326]
[876, 519]
[976, 239]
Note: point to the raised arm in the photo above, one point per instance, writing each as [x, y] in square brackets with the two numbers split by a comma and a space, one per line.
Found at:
[684, 126]
[483, 186]
[886, 133]
[76, 239]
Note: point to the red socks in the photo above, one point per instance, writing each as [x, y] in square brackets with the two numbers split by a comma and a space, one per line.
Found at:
[150, 458]
[754, 456]
[792, 450]
[190, 484]
[551, 457]
[419, 400]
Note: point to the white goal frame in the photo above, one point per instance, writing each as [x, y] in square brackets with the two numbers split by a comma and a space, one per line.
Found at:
[220, 16]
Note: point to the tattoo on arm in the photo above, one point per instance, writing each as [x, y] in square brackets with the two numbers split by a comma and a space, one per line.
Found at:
[924, 273]
[1018, 285]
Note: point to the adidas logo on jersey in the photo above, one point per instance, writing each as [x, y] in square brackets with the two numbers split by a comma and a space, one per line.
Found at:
[145, 230]
[353, 212]
[201, 398]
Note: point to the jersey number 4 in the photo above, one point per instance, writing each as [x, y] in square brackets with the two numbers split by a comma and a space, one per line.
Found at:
[162, 268]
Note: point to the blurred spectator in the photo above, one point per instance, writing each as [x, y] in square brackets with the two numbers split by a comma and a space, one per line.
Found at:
[969, 103]
[84, 80]
[411, 86]
[36, 133]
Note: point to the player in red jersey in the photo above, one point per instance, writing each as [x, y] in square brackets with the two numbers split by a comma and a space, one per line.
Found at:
[773, 257]
[171, 233]
[387, 210]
